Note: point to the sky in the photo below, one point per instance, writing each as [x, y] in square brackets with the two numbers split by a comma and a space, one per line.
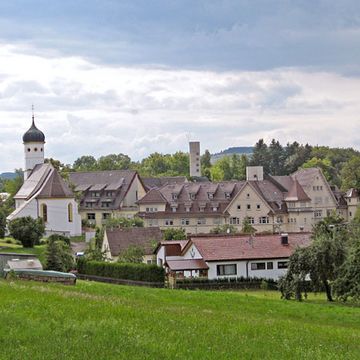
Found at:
[136, 77]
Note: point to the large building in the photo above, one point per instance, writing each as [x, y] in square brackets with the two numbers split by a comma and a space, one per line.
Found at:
[44, 193]
[271, 203]
[107, 194]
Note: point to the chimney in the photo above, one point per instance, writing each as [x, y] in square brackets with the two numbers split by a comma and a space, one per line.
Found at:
[284, 239]
[254, 173]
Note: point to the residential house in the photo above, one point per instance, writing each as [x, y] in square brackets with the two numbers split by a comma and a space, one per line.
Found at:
[352, 198]
[219, 256]
[116, 241]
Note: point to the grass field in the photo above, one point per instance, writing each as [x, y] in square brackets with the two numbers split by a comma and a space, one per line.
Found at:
[101, 321]
[38, 250]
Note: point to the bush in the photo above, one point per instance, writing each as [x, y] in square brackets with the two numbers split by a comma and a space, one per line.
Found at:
[27, 230]
[56, 237]
[58, 255]
[126, 271]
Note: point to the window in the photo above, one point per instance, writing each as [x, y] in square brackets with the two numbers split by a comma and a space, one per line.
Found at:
[185, 222]
[318, 213]
[270, 265]
[229, 269]
[109, 193]
[248, 206]
[263, 220]
[174, 196]
[70, 213]
[291, 205]
[88, 204]
[279, 219]
[105, 204]
[258, 206]
[248, 195]
[350, 213]
[106, 216]
[44, 213]
[29, 149]
[201, 221]
[214, 208]
[210, 196]
[234, 221]
[227, 195]
[251, 220]
[217, 221]
[151, 209]
[282, 264]
[95, 194]
[239, 207]
[258, 266]
[169, 222]
[173, 208]
[91, 216]
[192, 196]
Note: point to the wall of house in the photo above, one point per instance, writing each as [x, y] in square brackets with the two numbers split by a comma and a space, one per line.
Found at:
[135, 192]
[244, 269]
[57, 216]
[353, 204]
[258, 208]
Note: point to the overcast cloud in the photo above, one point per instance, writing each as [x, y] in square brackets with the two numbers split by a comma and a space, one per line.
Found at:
[128, 77]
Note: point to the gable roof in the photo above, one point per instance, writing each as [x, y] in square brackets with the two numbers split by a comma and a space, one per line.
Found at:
[154, 196]
[44, 181]
[55, 187]
[120, 239]
[296, 193]
[216, 248]
[352, 193]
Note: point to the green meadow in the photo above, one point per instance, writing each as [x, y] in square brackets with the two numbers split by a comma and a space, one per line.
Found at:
[100, 321]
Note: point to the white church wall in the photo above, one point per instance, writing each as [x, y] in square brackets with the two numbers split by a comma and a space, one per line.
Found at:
[58, 217]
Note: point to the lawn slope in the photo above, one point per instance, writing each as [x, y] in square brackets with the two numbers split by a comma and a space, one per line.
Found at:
[100, 321]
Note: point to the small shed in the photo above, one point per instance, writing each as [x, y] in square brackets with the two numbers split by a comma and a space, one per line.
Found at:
[5, 257]
[27, 264]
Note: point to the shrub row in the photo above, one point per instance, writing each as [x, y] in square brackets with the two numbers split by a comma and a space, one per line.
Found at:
[126, 271]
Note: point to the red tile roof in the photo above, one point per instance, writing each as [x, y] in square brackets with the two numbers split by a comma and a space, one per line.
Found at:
[182, 265]
[221, 248]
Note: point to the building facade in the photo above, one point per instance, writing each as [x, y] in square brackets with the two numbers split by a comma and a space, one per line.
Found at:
[272, 204]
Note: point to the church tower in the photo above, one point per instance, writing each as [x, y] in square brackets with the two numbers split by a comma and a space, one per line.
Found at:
[34, 141]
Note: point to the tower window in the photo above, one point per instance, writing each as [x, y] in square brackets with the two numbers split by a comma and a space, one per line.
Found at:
[41, 149]
[35, 149]
[29, 149]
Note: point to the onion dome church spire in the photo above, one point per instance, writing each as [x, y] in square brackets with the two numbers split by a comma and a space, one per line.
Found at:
[33, 134]
[34, 141]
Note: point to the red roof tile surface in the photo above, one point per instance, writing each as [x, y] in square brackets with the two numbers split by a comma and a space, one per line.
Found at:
[221, 248]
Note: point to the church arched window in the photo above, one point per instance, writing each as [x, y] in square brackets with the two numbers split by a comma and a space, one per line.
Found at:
[70, 213]
[44, 213]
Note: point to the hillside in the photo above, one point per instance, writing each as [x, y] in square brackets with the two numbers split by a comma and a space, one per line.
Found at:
[240, 150]
[7, 175]
[100, 321]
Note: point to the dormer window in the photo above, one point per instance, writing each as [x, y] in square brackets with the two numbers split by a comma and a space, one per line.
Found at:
[174, 196]
[173, 209]
[210, 196]
[192, 196]
[215, 208]
[227, 195]
[110, 193]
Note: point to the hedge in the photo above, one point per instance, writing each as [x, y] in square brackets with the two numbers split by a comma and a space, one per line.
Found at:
[126, 271]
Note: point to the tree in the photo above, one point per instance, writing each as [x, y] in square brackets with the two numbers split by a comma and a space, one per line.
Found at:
[124, 222]
[174, 234]
[277, 158]
[294, 283]
[350, 174]
[2, 222]
[58, 255]
[133, 254]
[247, 228]
[260, 156]
[85, 163]
[347, 284]
[27, 230]
[63, 169]
[224, 229]
[114, 162]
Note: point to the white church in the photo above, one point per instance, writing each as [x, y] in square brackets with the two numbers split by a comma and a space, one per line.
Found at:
[44, 193]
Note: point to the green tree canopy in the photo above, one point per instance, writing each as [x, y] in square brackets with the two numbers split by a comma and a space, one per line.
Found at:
[27, 230]
[174, 234]
[133, 254]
